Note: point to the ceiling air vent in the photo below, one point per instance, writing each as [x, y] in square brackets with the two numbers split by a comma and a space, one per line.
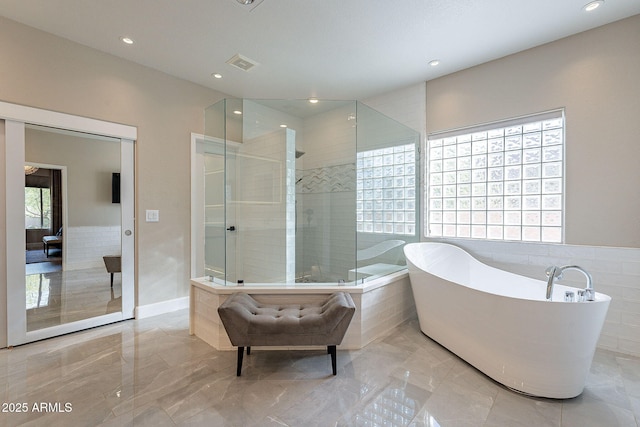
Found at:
[242, 62]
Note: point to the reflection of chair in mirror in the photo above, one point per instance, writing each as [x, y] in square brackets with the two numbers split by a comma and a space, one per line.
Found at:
[115, 304]
[389, 260]
[49, 241]
[112, 264]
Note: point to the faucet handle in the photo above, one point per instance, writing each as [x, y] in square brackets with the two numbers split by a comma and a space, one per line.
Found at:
[589, 294]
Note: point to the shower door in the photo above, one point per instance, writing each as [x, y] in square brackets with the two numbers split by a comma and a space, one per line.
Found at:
[260, 208]
[214, 214]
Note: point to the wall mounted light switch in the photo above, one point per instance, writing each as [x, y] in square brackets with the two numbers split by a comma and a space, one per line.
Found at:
[153, 215]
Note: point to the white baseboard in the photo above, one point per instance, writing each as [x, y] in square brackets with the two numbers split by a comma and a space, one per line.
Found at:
[157, 308]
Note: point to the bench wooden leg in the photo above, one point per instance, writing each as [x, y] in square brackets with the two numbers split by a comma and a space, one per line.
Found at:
[332, 351]
[240, 355]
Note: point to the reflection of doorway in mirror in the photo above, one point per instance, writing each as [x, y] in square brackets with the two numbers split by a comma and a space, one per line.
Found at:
[45, 213]
[44, 217]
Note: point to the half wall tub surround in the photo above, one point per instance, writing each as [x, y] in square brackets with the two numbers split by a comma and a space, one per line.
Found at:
[501, 322]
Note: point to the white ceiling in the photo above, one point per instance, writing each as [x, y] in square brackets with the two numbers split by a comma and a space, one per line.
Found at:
[330, 49]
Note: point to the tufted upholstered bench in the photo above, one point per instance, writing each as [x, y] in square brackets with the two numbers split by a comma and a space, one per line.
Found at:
[251, 323]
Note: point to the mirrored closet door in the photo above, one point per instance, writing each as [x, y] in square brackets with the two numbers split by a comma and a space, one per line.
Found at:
[72, 192]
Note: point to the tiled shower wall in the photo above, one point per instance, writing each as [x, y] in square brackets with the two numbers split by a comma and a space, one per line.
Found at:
[615, 271]
[326, 195]
[326, 222]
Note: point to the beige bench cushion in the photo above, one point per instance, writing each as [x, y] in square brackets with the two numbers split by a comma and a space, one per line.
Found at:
[251, 323]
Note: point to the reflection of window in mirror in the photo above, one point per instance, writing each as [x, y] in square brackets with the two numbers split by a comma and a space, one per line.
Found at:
[37, 207]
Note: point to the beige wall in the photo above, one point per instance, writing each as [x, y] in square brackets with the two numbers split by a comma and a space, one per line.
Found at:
[594, 76]
[405, 105]
[44, 71]
[90, 163]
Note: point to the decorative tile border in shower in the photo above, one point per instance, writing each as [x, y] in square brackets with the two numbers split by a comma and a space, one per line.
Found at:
[328, 179]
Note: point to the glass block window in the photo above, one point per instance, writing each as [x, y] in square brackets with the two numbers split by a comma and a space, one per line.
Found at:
[386, 190]
[503, 181]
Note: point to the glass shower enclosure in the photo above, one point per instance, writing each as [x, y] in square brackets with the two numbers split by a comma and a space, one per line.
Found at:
[301, 192]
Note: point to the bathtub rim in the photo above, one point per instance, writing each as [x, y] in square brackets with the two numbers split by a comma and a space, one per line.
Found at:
[599, 296]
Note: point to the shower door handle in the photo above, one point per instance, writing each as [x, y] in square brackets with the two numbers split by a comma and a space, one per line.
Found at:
[232, 228]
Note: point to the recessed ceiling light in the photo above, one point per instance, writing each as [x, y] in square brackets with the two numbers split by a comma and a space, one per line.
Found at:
[434, 63]
[238, 112]
[313, 100]
[245, 2]
[217, 75]
[283, 126]
[593, 5]
[126, 40]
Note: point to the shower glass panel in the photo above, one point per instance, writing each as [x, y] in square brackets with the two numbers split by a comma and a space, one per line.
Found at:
[213, 149]
[292, 209]
[387, 197]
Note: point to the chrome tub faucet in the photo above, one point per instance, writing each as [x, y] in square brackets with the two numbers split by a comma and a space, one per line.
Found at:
[554, 272]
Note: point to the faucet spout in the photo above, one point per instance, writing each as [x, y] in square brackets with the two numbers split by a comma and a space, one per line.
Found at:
[552, 273]
[590, 293]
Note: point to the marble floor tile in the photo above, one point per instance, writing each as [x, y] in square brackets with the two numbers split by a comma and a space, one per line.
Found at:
[512, 409]
[635, 407]
[587, 411]
[459, 401]
[58, 297]
[398, 403]
[630, 368]
[151, 372]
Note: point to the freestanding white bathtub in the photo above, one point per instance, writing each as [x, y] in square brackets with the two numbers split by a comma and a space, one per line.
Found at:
[501, 322]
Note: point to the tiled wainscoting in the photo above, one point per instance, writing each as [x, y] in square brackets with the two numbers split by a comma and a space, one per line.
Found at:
[87, 245]
[381, 305]
[615, 271]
